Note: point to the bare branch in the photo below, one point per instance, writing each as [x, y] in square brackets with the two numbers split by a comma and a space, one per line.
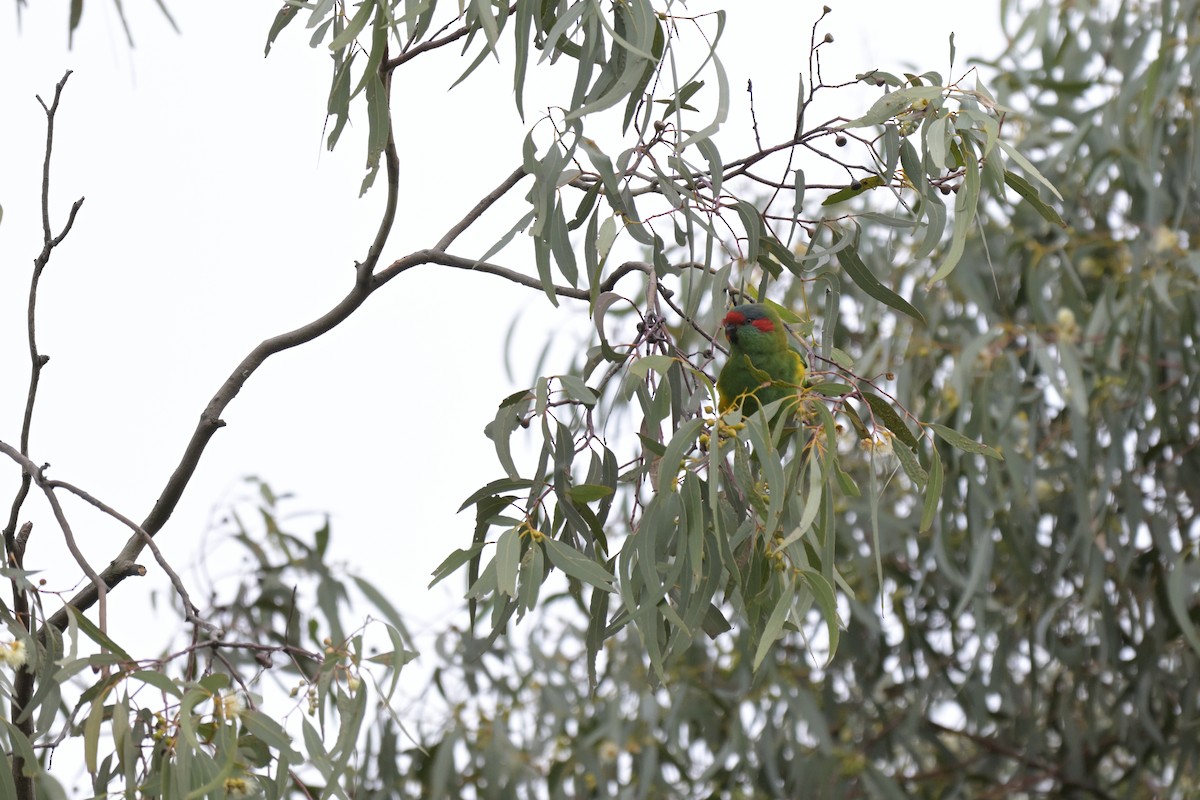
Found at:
[480, 207]
[37, 360]
[36, 472]
[190, 609]
[14, 543]
[210, 419]
[366, 282]
[50, 110]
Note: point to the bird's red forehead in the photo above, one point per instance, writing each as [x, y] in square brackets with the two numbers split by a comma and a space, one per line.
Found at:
[737, 319]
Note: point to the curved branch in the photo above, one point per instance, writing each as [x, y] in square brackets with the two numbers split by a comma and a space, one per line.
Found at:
[367, 281]
[210, 418]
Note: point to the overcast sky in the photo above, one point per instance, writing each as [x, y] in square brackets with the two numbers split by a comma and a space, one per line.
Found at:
[214, 218]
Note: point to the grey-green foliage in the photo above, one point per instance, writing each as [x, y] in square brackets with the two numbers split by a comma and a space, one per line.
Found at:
[1039, 636]
[211, 716]
[75, 16]
[962, 562]
[659, 515]
[663, 517]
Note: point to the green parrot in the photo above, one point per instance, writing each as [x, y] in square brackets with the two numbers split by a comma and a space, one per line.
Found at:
[762, 366]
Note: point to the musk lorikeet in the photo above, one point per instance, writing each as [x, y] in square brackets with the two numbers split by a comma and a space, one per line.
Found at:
[762, 366]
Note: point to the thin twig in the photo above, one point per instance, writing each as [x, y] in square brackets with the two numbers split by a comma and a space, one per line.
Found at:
[39, 478]
[255, 647]
[390, 64]
[753, 116]
[36, 360]
[191, 611]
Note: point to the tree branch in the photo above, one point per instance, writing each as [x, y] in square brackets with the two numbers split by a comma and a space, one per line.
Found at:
[191, 611]
[480, 207]
[30, 468]
[367, 281]
[14, 543]
[432, 44]
[36, 360]
[210, 418]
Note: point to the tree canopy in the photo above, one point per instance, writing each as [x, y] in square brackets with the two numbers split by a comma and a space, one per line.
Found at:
[959, 562]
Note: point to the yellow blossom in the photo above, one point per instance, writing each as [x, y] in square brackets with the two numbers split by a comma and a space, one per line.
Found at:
[609, 750]
[880, 444]
[1164, 239]
[228, 706]
[13, 653]
[1068, 328]
[240, 787]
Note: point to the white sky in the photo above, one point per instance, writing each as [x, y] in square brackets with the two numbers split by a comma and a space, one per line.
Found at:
[214, 218]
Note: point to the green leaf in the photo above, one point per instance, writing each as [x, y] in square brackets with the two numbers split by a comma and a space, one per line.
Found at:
[638, 93]
[630, 56]
[20, 745]
[716, 167]
[890, 418]
[379, 129]
[495, 488]
[935, 225]
[1030, 195]
[354, 27]
[99, 637]
[938, 135]
[865, 280]
[508, 558]
[159, 681]
[681, 98]
[658, 363]
[812, 502]
[965, 204]
[559, 29]
[281, 21]
[893, 103]
[577, 390]
[589, 492]
[491, 30]
[1025, 164]
[455, 560]
[956, 439]
[912, 467]
[774, 627]
[91, 732]
[752, 223]
[822, 590]
[854, 190]
[672, 458]
[722, 106]
[577, 565]
[933, 491]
